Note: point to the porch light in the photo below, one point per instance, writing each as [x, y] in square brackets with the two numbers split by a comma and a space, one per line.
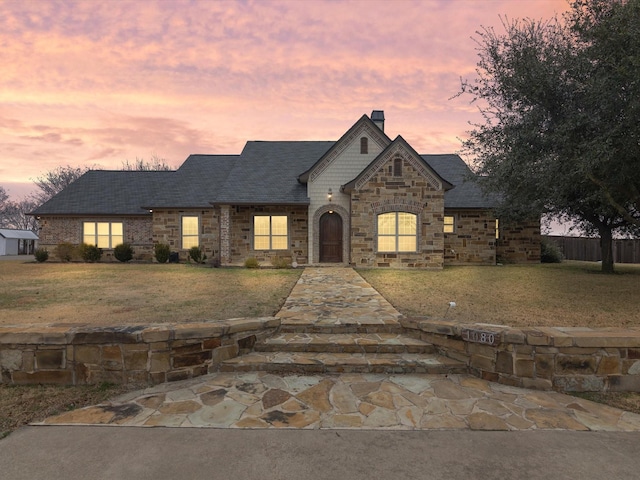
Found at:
[329, 194]
[150, 211]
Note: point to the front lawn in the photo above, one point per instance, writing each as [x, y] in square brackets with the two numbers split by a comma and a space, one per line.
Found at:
[567, 294]
[118, 294]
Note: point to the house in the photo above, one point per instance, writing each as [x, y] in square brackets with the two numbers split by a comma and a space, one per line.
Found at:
[365, 200]
[17, 242]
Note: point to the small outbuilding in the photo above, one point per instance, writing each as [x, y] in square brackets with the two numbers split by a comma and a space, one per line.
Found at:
[17, 242]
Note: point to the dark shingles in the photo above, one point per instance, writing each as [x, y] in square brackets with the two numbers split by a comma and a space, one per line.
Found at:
[267, 172]
[466, 193]
[102, 192]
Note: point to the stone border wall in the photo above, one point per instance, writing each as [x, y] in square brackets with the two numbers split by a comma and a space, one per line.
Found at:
[149, 354]
[567, 359]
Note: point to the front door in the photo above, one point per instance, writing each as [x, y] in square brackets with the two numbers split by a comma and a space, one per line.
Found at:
[331, 238]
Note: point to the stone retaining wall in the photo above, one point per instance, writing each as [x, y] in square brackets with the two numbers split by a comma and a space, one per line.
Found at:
[567, 359]
[72, 355]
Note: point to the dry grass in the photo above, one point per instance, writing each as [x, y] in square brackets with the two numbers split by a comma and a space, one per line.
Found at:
[567, 294]
[117, 294]
[21, 405]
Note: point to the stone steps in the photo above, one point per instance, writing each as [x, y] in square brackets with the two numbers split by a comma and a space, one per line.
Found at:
[340, 326]
[344, 343]
[323, 362]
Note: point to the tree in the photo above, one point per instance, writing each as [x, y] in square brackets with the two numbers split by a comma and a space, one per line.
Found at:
[54, 181]
[560, 109]
[140, 164]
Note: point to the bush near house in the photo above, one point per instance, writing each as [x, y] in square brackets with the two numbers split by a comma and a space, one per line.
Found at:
[251, 262]
[41, 254]
[65, 251]
[162, 252]
[123, 252]
[90, 253]
[550, 252]
[197, 255]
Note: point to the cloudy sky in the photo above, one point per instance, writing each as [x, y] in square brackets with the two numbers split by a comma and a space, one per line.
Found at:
[100, 82]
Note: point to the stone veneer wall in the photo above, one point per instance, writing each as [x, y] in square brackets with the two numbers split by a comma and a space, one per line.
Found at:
[519, 243]
[384, 193]
[137, 232]
[564, 359]
[167, 228]
[473, 240]
[242, 234]
[125, 355]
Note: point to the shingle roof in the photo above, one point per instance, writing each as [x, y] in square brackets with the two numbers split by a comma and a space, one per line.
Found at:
[102, 192]
[196, 183]
[466, 193]
[267, 172]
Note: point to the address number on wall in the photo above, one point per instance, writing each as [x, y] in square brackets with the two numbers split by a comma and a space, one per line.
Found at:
[480, 336]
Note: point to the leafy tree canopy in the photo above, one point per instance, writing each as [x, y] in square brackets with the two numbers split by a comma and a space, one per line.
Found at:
[560, 101]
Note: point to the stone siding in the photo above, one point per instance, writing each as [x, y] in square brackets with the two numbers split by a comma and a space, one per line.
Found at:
[473, 240]
[124, 355]
[241, 248]
[167, 228]
[562, 359]
[519, 243]
[411, 193]
[137, 232]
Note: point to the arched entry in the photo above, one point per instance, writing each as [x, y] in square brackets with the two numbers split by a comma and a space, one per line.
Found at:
[330, 238]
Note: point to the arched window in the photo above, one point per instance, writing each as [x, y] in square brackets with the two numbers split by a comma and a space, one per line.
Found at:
[364, 145]
[397, 167]
[397, 232]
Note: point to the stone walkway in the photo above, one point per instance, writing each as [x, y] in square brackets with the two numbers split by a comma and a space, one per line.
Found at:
[335, 318]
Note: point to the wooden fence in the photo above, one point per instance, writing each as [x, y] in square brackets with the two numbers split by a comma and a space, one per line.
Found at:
[588, 249]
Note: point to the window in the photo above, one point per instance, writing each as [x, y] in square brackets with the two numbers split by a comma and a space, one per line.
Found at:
[270, 232]
[397, 167]
[497, 228]
[190, 228]
[102, 234]
[397, 232]
[449, 224]
[364, 145]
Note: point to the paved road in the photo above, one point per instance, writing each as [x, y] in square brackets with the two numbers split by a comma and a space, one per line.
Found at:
[167, 453]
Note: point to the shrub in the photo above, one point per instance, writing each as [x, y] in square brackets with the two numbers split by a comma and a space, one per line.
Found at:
[550, 252]
[251, 262]
[162, 251]
[123, 252]
[65, 251]
[279, 262]
[197, 255]
[90, 253]
[41, 254]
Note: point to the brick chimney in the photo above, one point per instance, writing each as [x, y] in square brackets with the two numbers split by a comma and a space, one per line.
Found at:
[377, 117]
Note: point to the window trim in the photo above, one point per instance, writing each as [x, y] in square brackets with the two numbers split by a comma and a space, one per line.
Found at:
[452, 225]
[182, 234]
[270, 235]
[397, 235]
[95, 242]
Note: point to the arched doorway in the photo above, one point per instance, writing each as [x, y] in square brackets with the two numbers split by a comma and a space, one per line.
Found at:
[330, 238]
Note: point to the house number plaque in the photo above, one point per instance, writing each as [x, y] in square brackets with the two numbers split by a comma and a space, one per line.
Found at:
[480, 336]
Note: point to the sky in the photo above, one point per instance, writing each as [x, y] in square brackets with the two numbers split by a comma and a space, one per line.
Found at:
[97, 83]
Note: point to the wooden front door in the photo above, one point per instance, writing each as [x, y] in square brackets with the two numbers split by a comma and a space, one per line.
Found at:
[331, 238]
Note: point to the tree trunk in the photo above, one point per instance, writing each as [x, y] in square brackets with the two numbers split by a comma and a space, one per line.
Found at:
[606, 249]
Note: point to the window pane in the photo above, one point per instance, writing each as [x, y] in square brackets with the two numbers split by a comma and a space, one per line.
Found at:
[103, 228]
[116, 230]
[116, 240]
[189, 225]
[261, 225]
[279, 243]
[406, 244]
[449, 224]
[387, 224]
[406, 223]
[261, 243]
[89, 228]
[103, 241]
[278, 225]
[386, 244]
[191, 241]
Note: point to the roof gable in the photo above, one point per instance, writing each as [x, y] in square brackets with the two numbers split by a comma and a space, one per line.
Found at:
[399, 147]
[364, 125]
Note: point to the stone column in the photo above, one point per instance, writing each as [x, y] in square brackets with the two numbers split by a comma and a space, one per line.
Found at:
[225, 234]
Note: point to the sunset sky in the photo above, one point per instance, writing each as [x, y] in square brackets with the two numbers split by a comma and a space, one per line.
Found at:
[97, 82]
